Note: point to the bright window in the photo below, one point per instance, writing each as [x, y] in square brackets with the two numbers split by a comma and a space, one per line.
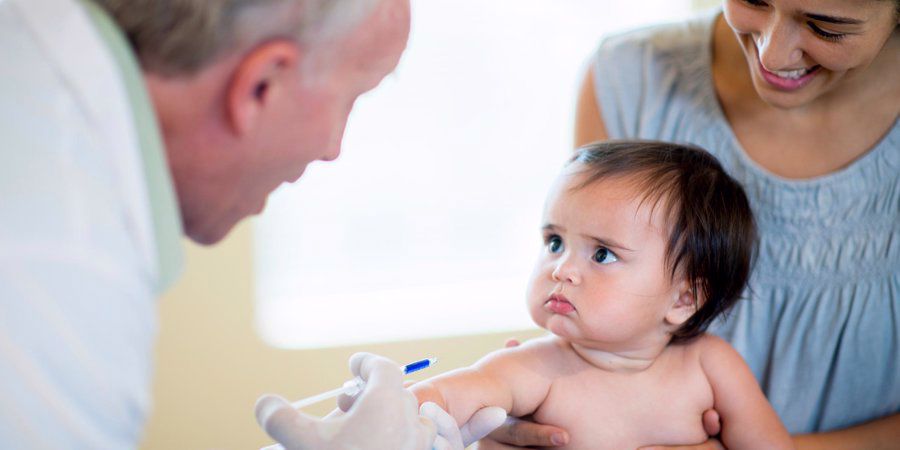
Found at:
[428, 223]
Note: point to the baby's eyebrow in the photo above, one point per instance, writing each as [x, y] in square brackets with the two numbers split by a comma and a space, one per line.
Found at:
[606, 242]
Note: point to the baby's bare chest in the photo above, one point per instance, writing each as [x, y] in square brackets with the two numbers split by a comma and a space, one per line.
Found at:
[614, 411]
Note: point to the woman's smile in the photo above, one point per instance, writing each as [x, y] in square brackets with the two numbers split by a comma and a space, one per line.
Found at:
[786, 79]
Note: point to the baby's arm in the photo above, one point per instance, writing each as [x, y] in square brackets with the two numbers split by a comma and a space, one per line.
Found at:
[748, 420]
[515, 379]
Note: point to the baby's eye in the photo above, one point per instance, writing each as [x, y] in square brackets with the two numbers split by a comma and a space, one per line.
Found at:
[604, 256]
[554, 243]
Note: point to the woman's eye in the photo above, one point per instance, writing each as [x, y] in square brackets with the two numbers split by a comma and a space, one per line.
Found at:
[604, 256]
[755, 2]
[828, 36]
[554, 244]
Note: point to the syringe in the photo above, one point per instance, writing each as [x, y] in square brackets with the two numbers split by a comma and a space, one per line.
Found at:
[352, 387]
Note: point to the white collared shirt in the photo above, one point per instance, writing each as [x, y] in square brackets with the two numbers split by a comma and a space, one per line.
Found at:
[79, 268]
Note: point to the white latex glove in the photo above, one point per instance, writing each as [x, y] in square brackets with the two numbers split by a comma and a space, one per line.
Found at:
[450, 437]
[384, 416]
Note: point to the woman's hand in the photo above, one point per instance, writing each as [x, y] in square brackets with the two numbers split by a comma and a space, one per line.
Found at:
[711, 424]
[711, 444]
[517, 433]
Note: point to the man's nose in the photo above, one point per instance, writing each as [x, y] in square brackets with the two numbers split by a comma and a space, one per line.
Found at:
[335, 138]
[333, 150]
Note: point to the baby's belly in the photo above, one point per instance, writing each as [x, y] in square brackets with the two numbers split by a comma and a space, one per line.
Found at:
[615, 419]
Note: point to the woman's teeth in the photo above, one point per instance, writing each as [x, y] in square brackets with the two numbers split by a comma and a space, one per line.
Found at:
[791, 74]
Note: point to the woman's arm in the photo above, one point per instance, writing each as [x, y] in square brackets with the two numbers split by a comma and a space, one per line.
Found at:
[748, 420]
[589, 126]
[878, 434]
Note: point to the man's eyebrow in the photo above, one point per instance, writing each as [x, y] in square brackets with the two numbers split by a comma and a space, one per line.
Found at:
[832, 19]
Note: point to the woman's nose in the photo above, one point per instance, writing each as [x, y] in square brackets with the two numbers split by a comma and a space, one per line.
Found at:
[779, 46]
[566, 270]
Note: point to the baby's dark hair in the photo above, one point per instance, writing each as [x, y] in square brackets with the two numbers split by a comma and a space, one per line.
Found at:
[712, 234]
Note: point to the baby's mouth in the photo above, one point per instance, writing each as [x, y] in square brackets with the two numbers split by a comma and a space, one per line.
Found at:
[559, 304]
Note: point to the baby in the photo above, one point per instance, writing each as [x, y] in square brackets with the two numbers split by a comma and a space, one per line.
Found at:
[644, 244]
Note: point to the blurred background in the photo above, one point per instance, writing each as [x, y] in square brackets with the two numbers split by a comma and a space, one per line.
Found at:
[417, 242]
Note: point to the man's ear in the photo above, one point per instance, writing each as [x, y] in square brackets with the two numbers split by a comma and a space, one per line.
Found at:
[684, 305]
[259, 80]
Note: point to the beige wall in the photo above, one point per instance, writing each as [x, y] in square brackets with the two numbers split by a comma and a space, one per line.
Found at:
[211, 365]
[704, 4]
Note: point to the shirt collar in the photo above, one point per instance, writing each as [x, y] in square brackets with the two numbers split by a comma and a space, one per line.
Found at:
[164, 210]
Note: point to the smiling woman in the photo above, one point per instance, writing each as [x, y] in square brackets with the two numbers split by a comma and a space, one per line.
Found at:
[789, 46]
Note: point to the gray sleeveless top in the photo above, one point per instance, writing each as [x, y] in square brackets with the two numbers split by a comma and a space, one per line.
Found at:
[820, 324]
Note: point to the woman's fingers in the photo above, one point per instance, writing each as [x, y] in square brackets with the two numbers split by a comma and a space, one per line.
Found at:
[522, 433]
[711, 422]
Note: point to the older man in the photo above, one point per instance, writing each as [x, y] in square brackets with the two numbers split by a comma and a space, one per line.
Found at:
[127, 123]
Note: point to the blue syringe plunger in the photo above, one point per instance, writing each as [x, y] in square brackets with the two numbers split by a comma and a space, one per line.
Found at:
[418, 365]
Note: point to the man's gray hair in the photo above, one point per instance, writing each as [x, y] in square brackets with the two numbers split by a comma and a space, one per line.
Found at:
[179, 37]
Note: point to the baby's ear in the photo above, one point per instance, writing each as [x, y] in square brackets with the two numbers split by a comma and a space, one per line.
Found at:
[684, 305]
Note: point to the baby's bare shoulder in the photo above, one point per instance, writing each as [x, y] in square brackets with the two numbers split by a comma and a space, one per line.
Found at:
[545, 355]
[700, 352]
[703, 344]
[710, 351]
[712, 345]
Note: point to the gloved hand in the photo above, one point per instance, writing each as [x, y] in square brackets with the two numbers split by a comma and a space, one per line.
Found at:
[449, 436]
[452, 438]
[383, 416]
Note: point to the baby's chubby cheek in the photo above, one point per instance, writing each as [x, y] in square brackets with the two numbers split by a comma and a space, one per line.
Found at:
[538, 314]
[554, 323]
[543, 317]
